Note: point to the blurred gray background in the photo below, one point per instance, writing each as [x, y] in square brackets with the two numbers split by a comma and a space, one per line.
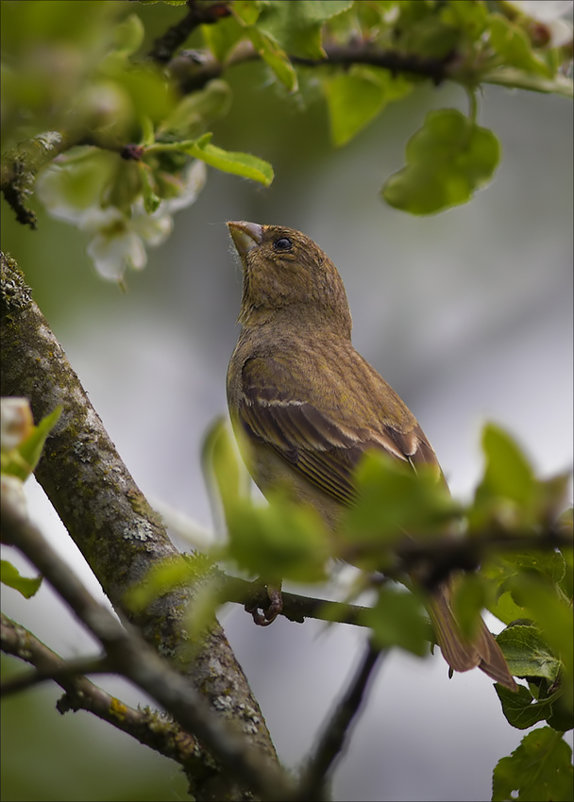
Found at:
[467, 314]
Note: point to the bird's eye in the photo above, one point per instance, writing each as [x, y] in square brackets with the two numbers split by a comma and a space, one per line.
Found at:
[282, 244]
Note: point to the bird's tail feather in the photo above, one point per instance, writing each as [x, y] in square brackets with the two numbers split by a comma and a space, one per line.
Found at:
[461, 655]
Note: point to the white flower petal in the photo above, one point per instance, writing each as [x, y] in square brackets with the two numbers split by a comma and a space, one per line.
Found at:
[544, 10]
[193, 181]
[153, 228]
[113, 254]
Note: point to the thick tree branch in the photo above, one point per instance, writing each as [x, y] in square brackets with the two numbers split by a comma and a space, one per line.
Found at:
[131, 657]
[105, 512]
[146, 726]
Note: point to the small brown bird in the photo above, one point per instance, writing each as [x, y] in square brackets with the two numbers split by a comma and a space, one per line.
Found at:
[309, 405]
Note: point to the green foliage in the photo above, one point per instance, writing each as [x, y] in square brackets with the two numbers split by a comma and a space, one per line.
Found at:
[274, 541]
[448, 159]
[356, 97]
[398, 619]
[392, 499]
[539, 770]
[85, 78]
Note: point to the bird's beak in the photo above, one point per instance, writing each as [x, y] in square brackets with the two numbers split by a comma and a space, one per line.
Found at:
[245, 236]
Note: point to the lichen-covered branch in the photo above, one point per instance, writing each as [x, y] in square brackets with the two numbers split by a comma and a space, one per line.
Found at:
[243, 766]
[104, 511]
[145, 725]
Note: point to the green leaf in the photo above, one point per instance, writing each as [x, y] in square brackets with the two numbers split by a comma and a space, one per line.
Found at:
[10, 576]
[448, 159]
[282, 540]
[512, 43]
[247, 10]
[539, 770]
[392, 499]
[22, 460]
[223, 469]
[297, 26]
[129, 35]
[553, 614]
[222, 38]
[165, 576]
[398, 619]
[519, 79]
[507, 472]
[519, 708]
[468, 601]
[196, 111]
[527, 654]
[243, 164]
[356, 97]
[274, 57]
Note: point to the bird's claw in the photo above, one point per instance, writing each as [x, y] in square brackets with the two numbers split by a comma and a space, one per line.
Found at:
[263, 615]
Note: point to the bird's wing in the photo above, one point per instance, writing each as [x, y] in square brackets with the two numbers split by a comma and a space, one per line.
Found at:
[322, 449]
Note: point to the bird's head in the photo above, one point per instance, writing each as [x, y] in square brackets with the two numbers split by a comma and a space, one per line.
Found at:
[284, 271]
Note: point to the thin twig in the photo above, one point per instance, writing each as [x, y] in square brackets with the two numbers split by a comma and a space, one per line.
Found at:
[66, 671]
[146, 726]
[336, 730]
[197, 14]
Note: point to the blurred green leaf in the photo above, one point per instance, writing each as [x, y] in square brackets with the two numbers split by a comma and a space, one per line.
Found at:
[398, 619]
[507, 472]
[357, 96]
[512, 43]
[165, 576]
[274, 56]
[22, 460]
[468, 601]
[196, 111]
[297, 26]
[281, 540]
[392, 499]
[223, 468]
[448, 159]
[539, 770]
[222, 38]
[129, 35]
[10, 576]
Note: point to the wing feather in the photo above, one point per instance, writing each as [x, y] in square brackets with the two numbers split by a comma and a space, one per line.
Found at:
[323, 450]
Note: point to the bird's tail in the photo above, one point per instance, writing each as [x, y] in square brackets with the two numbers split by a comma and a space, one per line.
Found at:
[461, 655]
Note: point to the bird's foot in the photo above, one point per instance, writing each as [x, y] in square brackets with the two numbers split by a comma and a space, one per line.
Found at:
[264, 612]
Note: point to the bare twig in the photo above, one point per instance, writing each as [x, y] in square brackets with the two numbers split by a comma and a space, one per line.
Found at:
[336, 730]
[146, 726]
[134, 659]
[197, 14]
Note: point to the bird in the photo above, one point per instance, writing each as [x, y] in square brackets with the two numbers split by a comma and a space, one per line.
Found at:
[308, 405]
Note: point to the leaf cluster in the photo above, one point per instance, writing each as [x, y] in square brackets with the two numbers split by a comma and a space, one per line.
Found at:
[90, 79]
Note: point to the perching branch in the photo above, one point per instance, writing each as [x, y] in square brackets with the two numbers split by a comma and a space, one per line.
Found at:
[146, 726]
[105, 512]
[132, 658]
